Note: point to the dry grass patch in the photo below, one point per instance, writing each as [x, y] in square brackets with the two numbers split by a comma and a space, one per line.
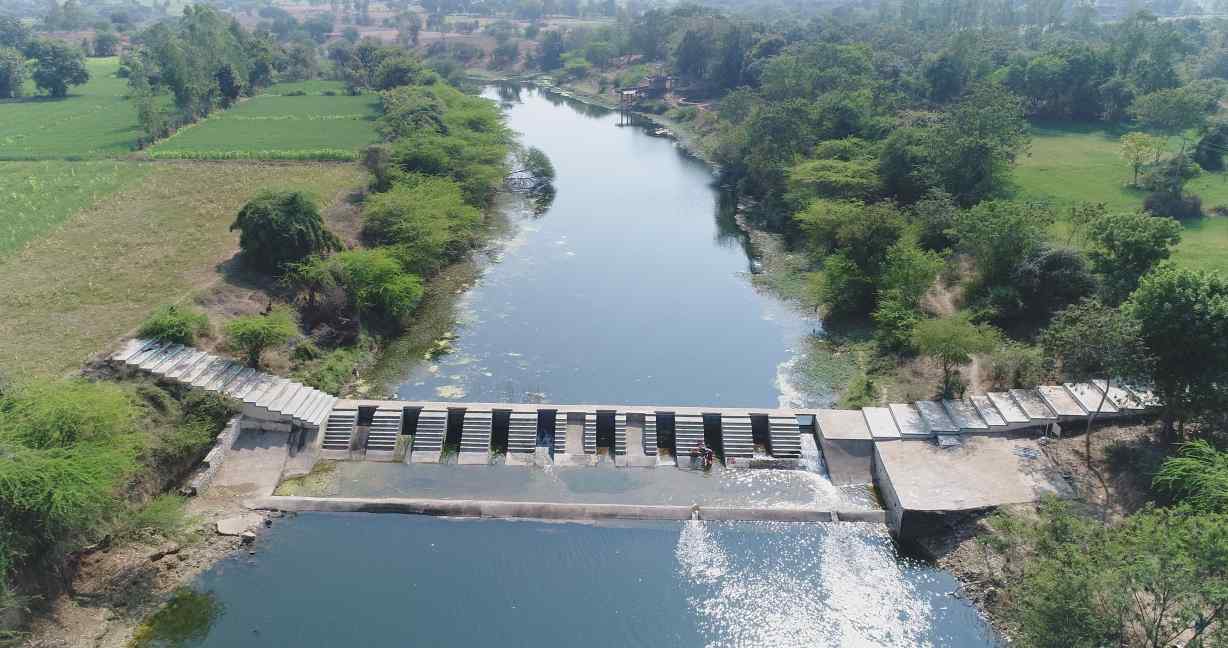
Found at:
[73, 292]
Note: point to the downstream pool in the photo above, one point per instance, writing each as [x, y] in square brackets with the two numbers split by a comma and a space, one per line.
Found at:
[633, 287]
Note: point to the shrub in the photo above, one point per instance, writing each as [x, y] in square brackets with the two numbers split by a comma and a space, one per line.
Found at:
[164, 515]
[251, 335]
[209, 408]
[177, 324]
[277, 228]
[62, 414]
[333, 372]
[1018, 366]
[1178, 206]
[1198, 476]
[374, 281]
[426, 219]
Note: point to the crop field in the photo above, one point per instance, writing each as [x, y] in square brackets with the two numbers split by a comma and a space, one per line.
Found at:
[72, 291]
[94, 121]
[38, 196]
[1072, 164]
[311, 127]
[311, 87]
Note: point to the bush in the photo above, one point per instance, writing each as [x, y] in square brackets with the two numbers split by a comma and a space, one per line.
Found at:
[277, 228]
[251, 335]
[164, 515]
[63, 414]
[1178, 206]
[426, 219]
[209, 408]
[1018, 366]
[177, 324]
[1198, 476]
[333, 372]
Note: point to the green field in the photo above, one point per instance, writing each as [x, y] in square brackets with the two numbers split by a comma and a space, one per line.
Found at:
[38, 196]
[94, 121]
[313, 86]
[1080, 163]
[280, 127]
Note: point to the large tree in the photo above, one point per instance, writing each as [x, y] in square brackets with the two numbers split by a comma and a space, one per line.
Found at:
[59, 66]
[976, 141]
[1126, 246]
[1183, 316]
[277, 228]
[12, 72]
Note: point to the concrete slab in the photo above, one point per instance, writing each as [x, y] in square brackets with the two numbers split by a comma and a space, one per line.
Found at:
[1008, 408]
[936, 418]
[1060, 401]
[964, 414]
[908, 420]
[1144, 395]
[849, 461]
[1122, 398]
[843, 424]
[988, 413]
[881, 423]
[1033, 405]
[1090, 398]
[983, 471]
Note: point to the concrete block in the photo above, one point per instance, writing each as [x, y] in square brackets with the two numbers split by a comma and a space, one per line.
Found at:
[843, 424]
[937, 421]
[908, 420]
[881, 423]
[1060, 401]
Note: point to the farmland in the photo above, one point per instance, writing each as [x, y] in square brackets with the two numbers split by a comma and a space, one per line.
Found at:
[38, 196]
[96, 120]
[1079, 163]
[71, 291]
[312, 126]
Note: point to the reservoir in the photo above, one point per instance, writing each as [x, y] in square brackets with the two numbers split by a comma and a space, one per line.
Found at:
[633, 287]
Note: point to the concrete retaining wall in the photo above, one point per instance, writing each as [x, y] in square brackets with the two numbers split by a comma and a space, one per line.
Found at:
[848, 460]
[555, 510]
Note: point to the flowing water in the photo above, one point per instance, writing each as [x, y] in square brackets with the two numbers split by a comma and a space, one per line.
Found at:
[632, 288]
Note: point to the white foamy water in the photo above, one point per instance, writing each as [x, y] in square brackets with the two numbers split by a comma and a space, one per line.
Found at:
[838, 585]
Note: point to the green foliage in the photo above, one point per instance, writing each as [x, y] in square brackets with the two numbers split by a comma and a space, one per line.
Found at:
[277, 228]
[426, 221]
[12, 73]
[857, 240]
[177, 324]
[1126, 246]
[1197, 476]
[1018, 366]
[971, 149]
[331, 373]
[44, 415]
[164, 516]
[1000, 236]
[1174, 110]
[252, 335]
[952, 341]
[375, 282]
[829, 178]
[58, 67]
[1073, 582]
[1183, 318]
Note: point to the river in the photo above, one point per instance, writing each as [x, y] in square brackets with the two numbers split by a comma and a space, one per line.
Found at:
[633, 287]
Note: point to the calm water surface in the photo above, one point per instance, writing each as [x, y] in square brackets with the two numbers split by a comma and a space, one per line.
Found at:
[632, 288]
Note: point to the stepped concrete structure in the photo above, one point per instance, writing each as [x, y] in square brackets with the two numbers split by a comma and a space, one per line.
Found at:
[925, 457]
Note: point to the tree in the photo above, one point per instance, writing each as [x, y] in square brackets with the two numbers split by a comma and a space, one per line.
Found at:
[1197, 476]
[952, 341]
[12, 73]
[397, 71]
[1176, 110]
[1126, 246]
[1000, 235]
[252, 335]
[106, 43]
[1183, 316]
[228, 84]
[277, 228]
[1092, 341]
[976, 141]
[1140, 149]
[550, 56]
[58, 67]
[13, 33]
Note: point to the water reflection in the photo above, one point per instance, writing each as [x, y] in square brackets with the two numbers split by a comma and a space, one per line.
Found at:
[366, 580]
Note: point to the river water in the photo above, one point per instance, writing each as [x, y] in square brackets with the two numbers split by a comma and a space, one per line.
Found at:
[633, 287]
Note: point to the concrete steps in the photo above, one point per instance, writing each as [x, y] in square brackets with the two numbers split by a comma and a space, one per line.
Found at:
[590, 433]
[620, 434]
[560, 433]
[785, 437]
[648, 436]
[429, 435]
[737, 439]
[522, 433]
[384, 430]
[263, 395]
[688, 434]
[475, 437]
[339, 429]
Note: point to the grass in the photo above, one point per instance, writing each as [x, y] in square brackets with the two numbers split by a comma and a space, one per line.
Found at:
[39, 196]
[280, 127]
[73, 291]
[95, 120]
[311, 87]
[1081, 163]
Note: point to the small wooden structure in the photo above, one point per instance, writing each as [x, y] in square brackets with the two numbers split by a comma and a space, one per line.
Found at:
[650, 87]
